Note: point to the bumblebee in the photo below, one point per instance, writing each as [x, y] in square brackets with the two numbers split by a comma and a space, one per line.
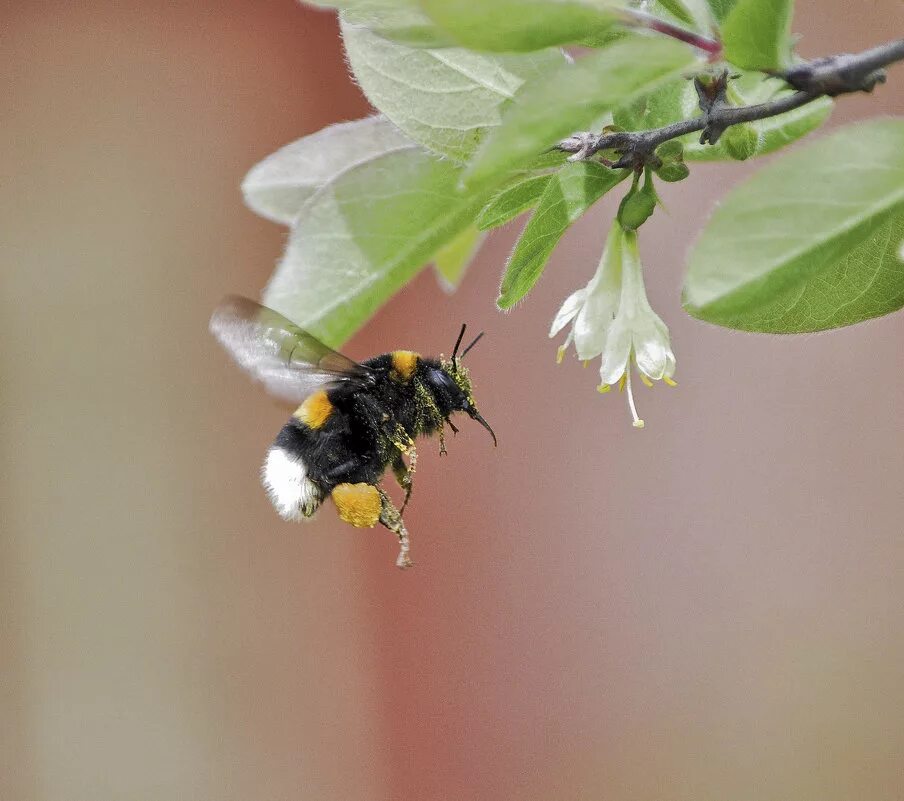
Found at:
[354, 420]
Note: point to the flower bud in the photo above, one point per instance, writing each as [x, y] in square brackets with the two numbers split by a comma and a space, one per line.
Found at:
[672, 150]
[673, 171]
[741, 141]
[636, 207]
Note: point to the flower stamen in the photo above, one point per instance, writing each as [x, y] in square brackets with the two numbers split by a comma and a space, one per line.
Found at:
[638, 423]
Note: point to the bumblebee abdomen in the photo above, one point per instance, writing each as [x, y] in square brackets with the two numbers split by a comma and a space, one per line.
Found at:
[305, 462]
[285, 478]
[316, 410]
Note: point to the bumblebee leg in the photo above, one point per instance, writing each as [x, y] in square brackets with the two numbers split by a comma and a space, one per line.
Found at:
[392, 519]
[405, 474]
[442, 436]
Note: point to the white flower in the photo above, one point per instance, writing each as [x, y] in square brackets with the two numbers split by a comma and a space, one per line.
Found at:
[591, 310]
[612, 317]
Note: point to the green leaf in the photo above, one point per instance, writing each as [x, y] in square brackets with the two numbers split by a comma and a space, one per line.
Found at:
[809, 241]
[519, 25]
[756, 34]
[662, 106]
[573, 96]
[512, 201]
[570, 192]
[721, 8]
[696, 13]
[399, 20]
[453, 258]
[443, 99]
[867, 282]
[675, 8]
[278, 187]
[363, 236]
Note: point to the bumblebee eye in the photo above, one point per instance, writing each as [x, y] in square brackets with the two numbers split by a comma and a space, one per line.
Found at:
[441, 379]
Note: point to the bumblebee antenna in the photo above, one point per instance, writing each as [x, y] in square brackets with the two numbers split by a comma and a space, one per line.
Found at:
[458, 341]
[473, 343]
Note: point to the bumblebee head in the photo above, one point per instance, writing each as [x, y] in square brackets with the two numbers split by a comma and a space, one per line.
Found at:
[451, 384]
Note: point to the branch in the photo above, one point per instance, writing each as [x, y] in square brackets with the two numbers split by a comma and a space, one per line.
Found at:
[825, 77]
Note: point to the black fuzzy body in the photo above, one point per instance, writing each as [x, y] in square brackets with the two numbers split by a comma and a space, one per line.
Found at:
[372, 425]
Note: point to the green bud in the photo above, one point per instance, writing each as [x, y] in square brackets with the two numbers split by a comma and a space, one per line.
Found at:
[636, 208]
[741, 141]
[673, 171]
[672, 150]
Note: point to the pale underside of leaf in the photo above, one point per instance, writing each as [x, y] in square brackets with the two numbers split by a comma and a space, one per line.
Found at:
[363, 236]
[452, 259]
[278, 186]
[442, 98]
[399, 20]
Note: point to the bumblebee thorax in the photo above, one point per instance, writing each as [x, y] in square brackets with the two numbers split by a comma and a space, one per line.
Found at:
[404, 364]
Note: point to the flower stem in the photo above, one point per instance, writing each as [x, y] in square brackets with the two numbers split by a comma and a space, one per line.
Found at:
[640, 19]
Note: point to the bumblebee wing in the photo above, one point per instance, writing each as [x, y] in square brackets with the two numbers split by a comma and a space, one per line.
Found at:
[289, 361]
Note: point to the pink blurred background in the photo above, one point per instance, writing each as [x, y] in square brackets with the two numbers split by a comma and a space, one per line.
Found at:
[707, 609]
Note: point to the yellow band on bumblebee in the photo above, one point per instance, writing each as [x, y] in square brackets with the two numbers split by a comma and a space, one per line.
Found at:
[315, 410]
[404, 363]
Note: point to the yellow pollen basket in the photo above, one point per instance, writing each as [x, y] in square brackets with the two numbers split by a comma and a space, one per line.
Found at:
[315, 410]
[358, 505]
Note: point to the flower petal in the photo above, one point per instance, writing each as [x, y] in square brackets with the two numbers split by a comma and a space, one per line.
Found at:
[652, 356]
[616, 354]
[569, 310]
[592, 323]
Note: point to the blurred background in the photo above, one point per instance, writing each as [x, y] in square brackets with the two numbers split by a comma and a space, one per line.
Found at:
[707, 609]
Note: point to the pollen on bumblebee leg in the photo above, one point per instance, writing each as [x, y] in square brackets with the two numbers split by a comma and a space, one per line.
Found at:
[392, 519]
[358, 505]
